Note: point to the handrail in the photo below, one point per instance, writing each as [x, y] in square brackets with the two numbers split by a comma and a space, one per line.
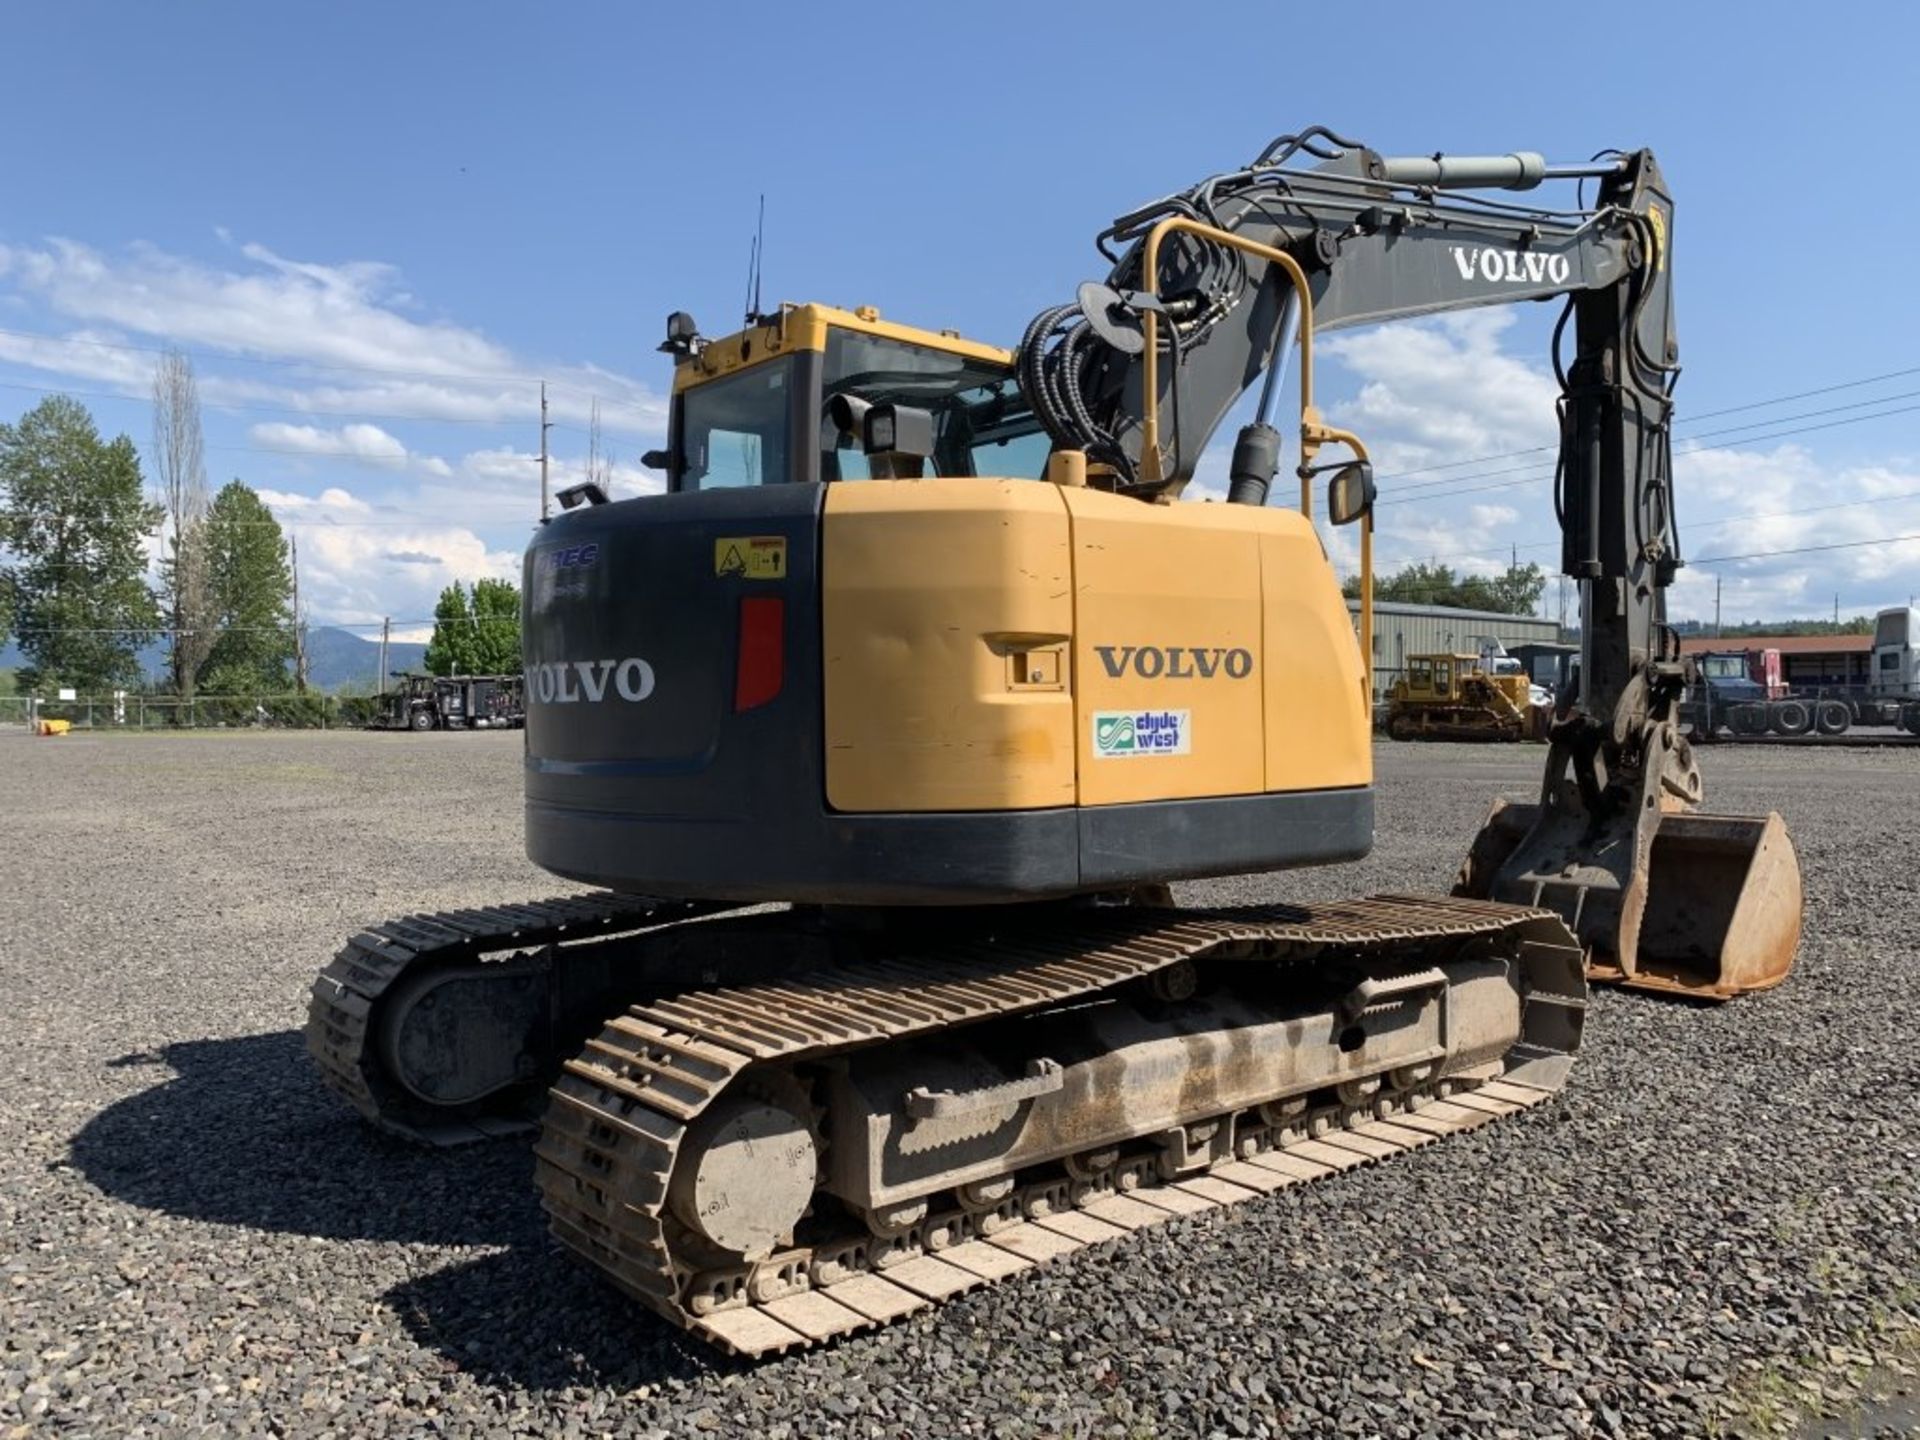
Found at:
[1313, 434]
[1150, 329]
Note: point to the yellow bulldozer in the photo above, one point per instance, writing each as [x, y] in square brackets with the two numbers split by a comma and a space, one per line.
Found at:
[1458, 697]
[883, 730]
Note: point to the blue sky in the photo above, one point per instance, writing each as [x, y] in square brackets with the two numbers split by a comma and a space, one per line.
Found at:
[375, 227]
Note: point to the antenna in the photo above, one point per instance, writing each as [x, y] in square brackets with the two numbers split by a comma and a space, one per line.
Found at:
[753, 263]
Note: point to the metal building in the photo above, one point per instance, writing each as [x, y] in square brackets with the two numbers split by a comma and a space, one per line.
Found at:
[1400, 630]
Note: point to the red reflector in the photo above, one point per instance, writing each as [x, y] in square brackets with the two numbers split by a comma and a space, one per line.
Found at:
[763, 641]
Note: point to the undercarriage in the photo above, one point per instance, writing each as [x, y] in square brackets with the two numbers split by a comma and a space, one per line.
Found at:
[797, 1124]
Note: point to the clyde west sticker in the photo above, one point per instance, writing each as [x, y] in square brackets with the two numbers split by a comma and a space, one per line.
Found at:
[1121, 734]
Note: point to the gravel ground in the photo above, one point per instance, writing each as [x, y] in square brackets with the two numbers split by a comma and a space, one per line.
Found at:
[1717, 1223]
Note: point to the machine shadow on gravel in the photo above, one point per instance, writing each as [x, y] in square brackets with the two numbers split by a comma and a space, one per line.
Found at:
[243, 1133]
[528, 1318]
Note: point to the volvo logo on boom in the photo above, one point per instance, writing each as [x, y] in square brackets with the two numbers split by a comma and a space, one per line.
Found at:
[1511, 267]
[567, 682]
[1175, 662]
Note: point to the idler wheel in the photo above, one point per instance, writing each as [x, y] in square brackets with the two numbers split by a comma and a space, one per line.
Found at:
[745, 1175]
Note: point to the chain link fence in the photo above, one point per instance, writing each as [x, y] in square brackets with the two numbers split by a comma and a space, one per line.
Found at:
[130, 711]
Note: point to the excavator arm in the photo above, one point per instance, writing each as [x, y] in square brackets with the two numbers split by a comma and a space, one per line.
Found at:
[1209, 289]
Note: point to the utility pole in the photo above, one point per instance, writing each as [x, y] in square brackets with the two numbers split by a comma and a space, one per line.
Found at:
[299, 621]
[386, 627]
[1716, 607]
[1836, 610]
[545, 426]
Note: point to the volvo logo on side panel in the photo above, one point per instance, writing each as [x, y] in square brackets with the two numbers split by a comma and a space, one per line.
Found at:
[569, 682]
[1175, 662]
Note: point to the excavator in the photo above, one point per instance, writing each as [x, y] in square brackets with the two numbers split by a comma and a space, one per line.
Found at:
[881, 735]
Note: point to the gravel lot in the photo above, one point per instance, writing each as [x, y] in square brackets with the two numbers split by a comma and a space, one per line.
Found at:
[1717, 1221]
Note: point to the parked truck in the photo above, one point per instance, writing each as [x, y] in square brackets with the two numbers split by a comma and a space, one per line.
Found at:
[1743, 693]
[452, 702]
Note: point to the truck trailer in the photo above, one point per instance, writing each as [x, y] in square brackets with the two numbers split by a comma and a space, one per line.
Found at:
[1743, 694]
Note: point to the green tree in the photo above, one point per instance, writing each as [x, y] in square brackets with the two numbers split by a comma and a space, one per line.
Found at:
[451, 650]
[249, 597]
[1516, 592]
[496, 627]
[74, 514]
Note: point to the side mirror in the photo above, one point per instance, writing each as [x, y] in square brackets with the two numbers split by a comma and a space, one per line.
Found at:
[656, 460]
[1350, 493]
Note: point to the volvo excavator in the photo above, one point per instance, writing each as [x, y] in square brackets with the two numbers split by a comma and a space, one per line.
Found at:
[882, 733]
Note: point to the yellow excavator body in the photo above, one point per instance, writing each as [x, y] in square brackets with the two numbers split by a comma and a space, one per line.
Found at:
[997, 644]
[885, 728]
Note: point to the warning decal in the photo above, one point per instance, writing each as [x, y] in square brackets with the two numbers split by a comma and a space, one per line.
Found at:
[751, 557]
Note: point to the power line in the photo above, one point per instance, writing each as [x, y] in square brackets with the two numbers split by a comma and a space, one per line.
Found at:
[1687, 419]
[1805, 550]
[1533, 471]
[156, 631]
[1547, 474]
[311, 411]
[1502, 547]
[238, 357]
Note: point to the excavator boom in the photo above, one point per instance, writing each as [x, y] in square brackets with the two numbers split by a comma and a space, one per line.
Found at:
[1613, 843]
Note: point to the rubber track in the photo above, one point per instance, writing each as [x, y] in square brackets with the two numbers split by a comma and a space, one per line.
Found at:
[345, 994]
[619, 1112]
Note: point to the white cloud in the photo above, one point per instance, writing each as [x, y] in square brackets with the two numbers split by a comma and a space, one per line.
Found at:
[312, 317]
[1438, 391]
[359, 442]
[1435, 394]
[1749, 502]
[332, 499]
[360, 562]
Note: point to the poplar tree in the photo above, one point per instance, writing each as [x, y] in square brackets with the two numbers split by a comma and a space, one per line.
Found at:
[182, 475]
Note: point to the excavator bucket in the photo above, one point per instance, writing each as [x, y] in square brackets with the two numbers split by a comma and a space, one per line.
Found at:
[1719, 910]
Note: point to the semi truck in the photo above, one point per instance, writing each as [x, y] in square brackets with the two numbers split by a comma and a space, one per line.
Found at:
[452, 702]
[1743, 694]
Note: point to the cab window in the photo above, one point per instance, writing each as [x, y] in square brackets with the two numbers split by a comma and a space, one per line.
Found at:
[1420, 674]
[734, 431]
[982, 425]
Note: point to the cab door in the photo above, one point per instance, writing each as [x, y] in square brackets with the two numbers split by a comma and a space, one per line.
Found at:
[1443, 679]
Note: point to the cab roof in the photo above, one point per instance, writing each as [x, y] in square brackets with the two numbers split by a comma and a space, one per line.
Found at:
[806, 327]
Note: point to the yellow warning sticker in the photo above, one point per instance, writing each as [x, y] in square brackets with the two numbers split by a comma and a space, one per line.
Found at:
[751, 557]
